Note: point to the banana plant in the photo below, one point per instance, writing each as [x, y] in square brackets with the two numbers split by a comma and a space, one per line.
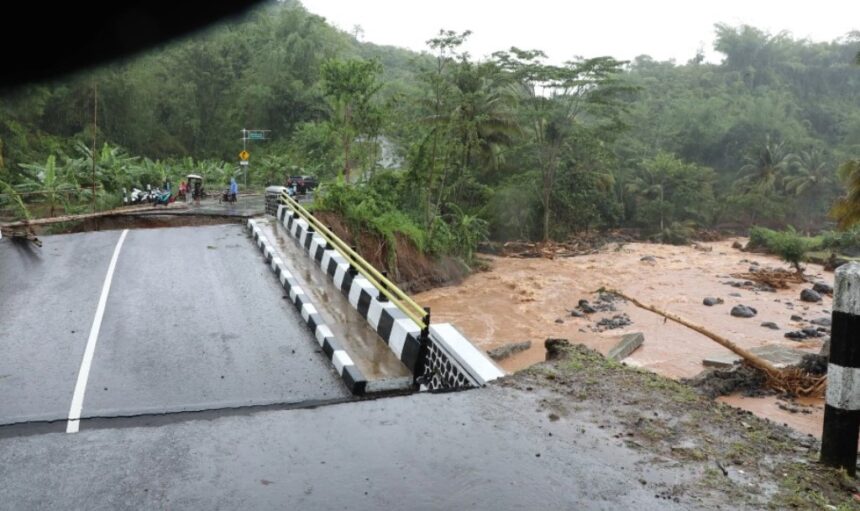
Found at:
[14, 197]
[53, 183]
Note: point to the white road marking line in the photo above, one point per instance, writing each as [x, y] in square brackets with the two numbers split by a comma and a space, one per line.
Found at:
[89, 352]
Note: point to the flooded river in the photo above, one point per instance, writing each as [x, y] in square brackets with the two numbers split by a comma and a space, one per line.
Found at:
[530, 300]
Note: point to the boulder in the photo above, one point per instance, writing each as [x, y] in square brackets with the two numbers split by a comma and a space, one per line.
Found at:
[648, 259]
[796, 335]
[808, 295]
[737, 245]
[771, 325]
[822, 288]
[795, 317]
[743, 311]
[711, 301]
[821, 321]
[811, 332]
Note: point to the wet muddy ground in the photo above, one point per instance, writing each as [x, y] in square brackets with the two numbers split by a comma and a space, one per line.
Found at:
[738, 461]
[532, 299]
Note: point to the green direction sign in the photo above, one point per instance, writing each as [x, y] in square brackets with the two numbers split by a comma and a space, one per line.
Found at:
[256, 135]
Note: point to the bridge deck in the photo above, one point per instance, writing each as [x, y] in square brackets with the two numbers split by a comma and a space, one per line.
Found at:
[192, 322]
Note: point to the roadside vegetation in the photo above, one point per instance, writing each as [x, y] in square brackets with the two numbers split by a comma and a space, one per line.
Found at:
[448, 150]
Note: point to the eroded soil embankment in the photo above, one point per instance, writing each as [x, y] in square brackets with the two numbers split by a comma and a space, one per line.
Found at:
[413, 270]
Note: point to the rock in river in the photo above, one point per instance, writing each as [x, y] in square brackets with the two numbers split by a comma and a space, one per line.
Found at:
[808, 295]
[709, 301]
[743, 311]
[771, 325]
[822, 288]
[821, 321]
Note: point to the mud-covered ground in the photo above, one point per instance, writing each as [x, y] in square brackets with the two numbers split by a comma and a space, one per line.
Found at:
[740, 461]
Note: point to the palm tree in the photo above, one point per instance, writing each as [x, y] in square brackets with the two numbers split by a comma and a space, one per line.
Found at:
[479, 123]
[846, 210]
[482, 117]
[648, 184]
[810, 173]
[765, 168]
[811, 177]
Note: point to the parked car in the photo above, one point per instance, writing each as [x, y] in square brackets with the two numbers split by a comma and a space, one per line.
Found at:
[310, 182]
[298, 181]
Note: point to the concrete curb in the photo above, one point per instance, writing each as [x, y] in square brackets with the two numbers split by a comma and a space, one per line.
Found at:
[400, 333]
[346, 368]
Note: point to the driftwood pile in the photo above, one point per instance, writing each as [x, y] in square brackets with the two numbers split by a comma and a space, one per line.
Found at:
[776, 278]
[548, 249]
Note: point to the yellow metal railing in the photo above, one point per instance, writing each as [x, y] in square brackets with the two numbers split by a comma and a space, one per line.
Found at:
[415, 312]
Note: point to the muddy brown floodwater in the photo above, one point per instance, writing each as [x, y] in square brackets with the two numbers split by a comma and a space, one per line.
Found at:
[523, 299]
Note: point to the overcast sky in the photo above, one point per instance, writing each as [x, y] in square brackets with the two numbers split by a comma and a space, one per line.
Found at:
[664, 29]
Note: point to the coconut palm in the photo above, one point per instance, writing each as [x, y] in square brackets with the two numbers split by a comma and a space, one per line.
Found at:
[810, 173]
[765, 168]
[846, 210]
[482, 117]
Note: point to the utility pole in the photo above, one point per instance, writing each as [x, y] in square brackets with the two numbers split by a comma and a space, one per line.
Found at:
[95, 128]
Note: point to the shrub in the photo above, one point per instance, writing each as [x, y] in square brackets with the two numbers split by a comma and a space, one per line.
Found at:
[760, 237]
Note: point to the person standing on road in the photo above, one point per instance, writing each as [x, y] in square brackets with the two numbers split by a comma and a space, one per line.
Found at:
[234, 189]
[197, 191]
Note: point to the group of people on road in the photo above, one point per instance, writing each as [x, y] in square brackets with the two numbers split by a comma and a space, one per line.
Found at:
[193, 191]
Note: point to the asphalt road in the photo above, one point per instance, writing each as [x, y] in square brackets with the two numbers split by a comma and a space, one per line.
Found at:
[193, 321]
[48, 297]
[480, 449]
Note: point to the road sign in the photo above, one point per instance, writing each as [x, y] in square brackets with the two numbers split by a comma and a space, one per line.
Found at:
[256, 135]
[244, 163]
[244, 155]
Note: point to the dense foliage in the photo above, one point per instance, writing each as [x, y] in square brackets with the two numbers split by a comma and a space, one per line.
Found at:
[447, 150]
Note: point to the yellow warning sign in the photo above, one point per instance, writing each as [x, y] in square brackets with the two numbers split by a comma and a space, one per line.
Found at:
[244, 155]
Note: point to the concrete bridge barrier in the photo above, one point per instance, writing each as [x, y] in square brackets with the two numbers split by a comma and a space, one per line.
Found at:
[438, 355]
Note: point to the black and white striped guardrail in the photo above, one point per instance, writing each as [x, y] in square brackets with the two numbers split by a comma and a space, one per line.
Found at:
[346, 368]
[400, 333]
[842, 407]
[452, 360]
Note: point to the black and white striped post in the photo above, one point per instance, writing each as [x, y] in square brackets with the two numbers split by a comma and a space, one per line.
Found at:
[842, 409]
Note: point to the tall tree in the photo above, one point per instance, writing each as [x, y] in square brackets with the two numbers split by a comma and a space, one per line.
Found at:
[558, 100]
[349, 86]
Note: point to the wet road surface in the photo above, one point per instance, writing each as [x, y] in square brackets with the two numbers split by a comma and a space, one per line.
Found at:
[193, 320]
[480, 449]
[47, 300]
